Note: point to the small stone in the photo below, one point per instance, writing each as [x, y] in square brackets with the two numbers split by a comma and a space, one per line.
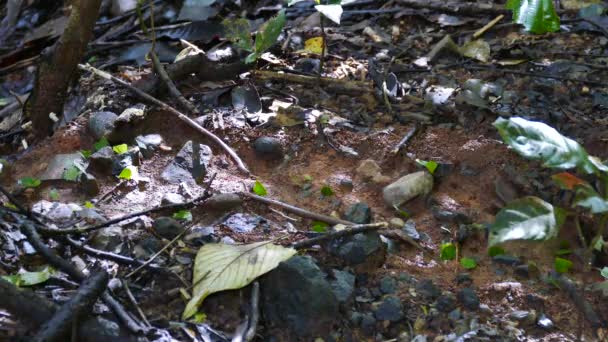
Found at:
[485, 308]
[148, 144]
[242, 222]
[120, 162]
[167, 227]
[505, 259]
[359, 213]
[56, 211]
[407, 188]
[545, 322]
[202, 235]
[101, 123]
[389, 309]
[172, 198]
[227, 240]
[268, 148]
[464, 279]
[468, 298]
[182, 168]
[108, 239]
[455, 315]
[396, 222]
[358, 248]
[519, 315]
[522, 271]
[147, 247]
[369, 169]
[59, 163]
[388, 285]
[88, 184]
[308, 65]
[410, 230]
[446, 302]
[343, 285]
[101, 161]
[223, 202]
[368, 323]
[356, 317]
[428, 290]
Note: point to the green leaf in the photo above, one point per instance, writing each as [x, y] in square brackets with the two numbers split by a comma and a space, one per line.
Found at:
[319, 227]
[562, 252]
[129, 172]
[588, 198]
[537, 141]
[54, 195]
[537, 16]
[30, 182]
[269, 33]
[604, 272]
[430, 165]
[259, 189]
[220, 267]
[86, 153]
[562, 265]
[89, 205]
[332, 12]
[448, 251]
[468, 263]
[185, 215]
[495, 250]
[26, 278]
[71, 173]
[307, 178]
[120, 149]
[326, 191]
[103, 142]
[238, 32]
[200, 317]
[251, 58]
[528, 218]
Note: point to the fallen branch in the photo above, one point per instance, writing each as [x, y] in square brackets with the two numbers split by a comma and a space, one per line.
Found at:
[61, 264]
[295, 210]
[404, 140]
[337, 85]
[79, 305]
[255, 312]
[241, 166]
[351, 230]
[160, 69]
[579, 301]
[468, 8]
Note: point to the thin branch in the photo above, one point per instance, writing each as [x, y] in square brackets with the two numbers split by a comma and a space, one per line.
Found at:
[352, 230]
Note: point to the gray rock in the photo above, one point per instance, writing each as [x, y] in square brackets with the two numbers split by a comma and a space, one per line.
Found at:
[446, 302]
[56, 211]
[356, 317]
[89, 184]
[120, 162]
[102, 123]
[59, 163]
[358, 213]
[455, 315]
[407, 188]
[389, 309]
[308, 65]
[108, 239]
[545, 322]
[147, 247]
[181, 169]
[343, 285]
[468, 298]
[368, 323]
[101, 161]
[388, 285]
[148, 144]
[522, 271]
[410, 230]
[172, 198]
[358, 248]
[449, 216]
[227, 240]
[428, 290]
[202, 235]
[268, 148]
[224, 202]
[464, 278]
[296, 296]
[242, 223]
[167, 227]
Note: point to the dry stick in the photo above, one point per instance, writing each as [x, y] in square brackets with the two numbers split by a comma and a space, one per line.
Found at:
[298, 211]
[241, 166]
[34, 239]
[80, 304]
[334, 84]
[125, 285]
[469, 8]
[255, 311]
[488, 26]
[353, 229]
[405, 139]
[538, 75]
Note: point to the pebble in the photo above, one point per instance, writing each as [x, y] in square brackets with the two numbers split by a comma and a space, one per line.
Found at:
[172, 198]
[101, 123]
[389, 309]
[388, 285]
[343, 285]
[407, 188]
[446, 302]
[359, 213]
[468, 298]
[167, 227]
[428, 290]
[545, 322]
[268, 148]
[505, 259]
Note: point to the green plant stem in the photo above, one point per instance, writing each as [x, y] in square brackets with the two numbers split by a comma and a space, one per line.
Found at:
[600, 232]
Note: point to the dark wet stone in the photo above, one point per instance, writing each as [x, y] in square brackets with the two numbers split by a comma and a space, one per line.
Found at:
[268, 148]
[389, 309]
[428, 290]
[120, 162]
[297, 297]
[388, 285]
[464, 278]
[468, 298]
[446, 302]
[443, 169]
[356, 317]
[505, 259]
[88, 184]
[181, 169]
[101, 123]
[343, 285]
[449, 216]
[243, 223]
[148, 144]
[108, 239]
[368, 323]
[202, 235]
[308, 65]
[358, 213]
[410, 230]
[455, 315]
[167, 227]
[375, 292]
[522, 271]
[358, 248]
[147, 247]
[101, 161]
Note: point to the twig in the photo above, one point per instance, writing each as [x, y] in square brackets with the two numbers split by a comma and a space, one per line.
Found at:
[79, 305]
[17, 204]
[241, 166]
[468, 8]
[30, 232]
[404, 140]
[536, 74]
[488, 26]
[334, 84]
[352, 230]
[133, 301]
[255, 311]
[295, 210]
[109, 256]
